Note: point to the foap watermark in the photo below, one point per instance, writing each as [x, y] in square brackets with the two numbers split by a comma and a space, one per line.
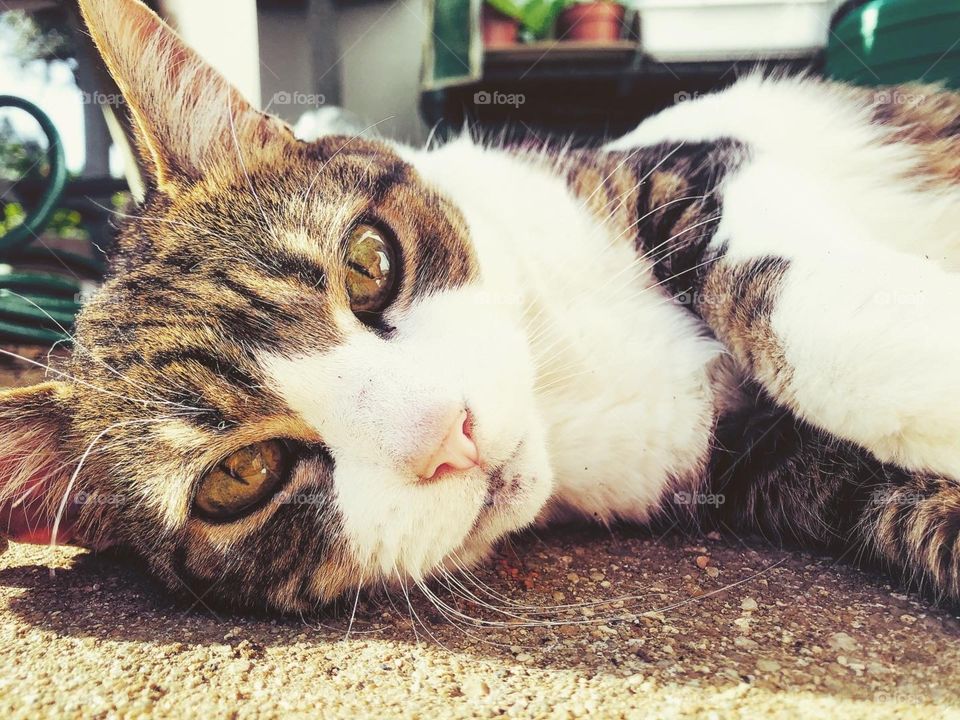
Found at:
[900, 299]
[101, 98]
[913, 699]
[686, 96]
[700, 299]
[96, 498]
[896, 96]
[898, 497]
[488, 297]
[684, 497]
[299, 99]
[495, 97]
[285, 497]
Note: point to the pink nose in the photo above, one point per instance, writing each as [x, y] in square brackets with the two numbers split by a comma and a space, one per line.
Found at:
[457, 451]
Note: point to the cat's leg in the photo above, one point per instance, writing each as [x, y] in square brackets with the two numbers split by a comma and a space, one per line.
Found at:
[853, 336]
[789, 481]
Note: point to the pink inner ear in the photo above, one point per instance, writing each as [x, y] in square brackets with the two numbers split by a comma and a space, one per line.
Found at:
[28, 515]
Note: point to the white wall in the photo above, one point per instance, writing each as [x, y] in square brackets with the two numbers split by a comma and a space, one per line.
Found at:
[224, 32]
[381, 43]
[379, 51]
[285, 62]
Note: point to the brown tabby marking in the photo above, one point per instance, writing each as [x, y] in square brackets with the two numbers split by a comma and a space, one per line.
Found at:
[238, 249]
[779, 475]
[204, 281]
[792, 482]
[927, 118]
[737, 301]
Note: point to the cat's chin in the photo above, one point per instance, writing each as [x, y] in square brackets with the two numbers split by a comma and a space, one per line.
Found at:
[516, 495]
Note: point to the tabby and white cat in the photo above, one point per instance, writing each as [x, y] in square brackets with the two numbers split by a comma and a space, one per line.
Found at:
[323, 366]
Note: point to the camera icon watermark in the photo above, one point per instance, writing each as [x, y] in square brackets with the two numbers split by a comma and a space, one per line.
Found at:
[896, 96]
[296, 498]
[101, 98]
[300, 99]
[686, 96]
[96, 498]
[485, 97]
[699, 498]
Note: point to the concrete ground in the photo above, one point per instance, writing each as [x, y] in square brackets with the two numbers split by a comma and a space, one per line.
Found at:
[575, 622]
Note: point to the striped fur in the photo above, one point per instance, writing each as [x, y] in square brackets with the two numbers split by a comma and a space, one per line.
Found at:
[780, 475]
[629, 330]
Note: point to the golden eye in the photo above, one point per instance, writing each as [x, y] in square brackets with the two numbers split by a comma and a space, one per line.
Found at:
[371, 270]
[243, 481]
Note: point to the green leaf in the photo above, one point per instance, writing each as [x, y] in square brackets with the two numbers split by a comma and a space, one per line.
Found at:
[539, 16]
[507, 7]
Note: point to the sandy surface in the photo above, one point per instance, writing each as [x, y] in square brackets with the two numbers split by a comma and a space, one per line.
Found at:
[654, 627]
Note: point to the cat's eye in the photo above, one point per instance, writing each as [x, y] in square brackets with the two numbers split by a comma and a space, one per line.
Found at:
[372, 270]
[244, 481]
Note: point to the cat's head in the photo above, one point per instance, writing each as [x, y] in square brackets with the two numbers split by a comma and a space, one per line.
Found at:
[298, 381]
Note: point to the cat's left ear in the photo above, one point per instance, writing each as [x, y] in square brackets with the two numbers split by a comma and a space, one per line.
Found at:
[34, 468]
[191, 122]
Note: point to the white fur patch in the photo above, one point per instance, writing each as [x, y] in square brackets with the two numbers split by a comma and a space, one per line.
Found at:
[868, 330]
[376, 403]
[621, 372]
[566, 344]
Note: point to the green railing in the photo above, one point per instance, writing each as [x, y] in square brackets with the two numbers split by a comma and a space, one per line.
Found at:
[39, 306]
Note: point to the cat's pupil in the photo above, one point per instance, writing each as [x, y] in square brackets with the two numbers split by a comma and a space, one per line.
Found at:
[371, 270]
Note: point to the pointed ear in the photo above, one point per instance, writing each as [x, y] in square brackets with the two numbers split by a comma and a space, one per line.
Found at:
[190, 121]
[33, 474]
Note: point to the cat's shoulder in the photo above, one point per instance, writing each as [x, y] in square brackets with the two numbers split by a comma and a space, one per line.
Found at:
[809, 118]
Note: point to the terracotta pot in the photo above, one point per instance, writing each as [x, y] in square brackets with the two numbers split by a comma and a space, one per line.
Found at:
[595, 21]
[498, 29]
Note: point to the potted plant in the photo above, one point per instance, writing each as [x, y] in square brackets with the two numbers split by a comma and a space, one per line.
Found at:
[592, 20]
[501, 22]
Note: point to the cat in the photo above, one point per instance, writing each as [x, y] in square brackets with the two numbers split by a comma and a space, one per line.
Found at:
[321, 366]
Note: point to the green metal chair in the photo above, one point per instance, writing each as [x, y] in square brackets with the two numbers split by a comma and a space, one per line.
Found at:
[40, 305]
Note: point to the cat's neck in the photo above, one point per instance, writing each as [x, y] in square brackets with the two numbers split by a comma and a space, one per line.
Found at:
[609, 344]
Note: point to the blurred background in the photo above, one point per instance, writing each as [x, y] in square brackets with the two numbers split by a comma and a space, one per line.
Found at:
[405, 69]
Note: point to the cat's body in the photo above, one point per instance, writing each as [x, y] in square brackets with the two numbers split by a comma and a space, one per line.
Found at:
[844, 176]
[325, 366]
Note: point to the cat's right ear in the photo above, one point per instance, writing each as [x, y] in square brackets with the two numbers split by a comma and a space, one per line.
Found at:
[190, 122]
[34, 466]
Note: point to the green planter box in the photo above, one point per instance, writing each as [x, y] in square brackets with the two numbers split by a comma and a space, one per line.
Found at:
[895, 41]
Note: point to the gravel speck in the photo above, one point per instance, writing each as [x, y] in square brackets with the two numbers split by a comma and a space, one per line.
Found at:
[842, 642]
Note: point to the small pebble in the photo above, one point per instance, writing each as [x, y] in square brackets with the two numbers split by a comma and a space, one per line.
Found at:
[840, 641]
[770, 666]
